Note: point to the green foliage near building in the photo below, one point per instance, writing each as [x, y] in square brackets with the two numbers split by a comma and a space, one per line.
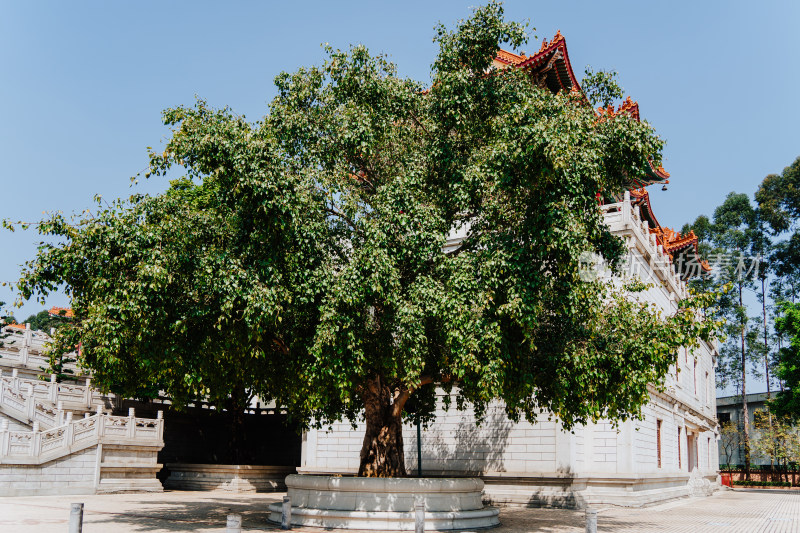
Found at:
[777, 438]
[601, 87]
[788, 326]
[44, 321]
[4, 319]
[300, 257]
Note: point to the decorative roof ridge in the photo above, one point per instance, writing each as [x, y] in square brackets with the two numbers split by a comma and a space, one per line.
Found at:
[557, 43]
[671, 240]
[627, 107]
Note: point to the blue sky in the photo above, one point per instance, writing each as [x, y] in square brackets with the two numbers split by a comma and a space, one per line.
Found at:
[82, 85]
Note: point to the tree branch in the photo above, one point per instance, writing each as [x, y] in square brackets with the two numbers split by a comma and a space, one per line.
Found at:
[344, 217]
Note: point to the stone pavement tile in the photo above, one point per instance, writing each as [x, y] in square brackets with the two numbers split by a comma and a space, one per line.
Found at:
[740, 511]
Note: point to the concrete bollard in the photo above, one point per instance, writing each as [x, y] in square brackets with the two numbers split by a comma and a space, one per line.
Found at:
[419, 517]
[286, 513]
[234, 524]
[76, 518]
[591, 520]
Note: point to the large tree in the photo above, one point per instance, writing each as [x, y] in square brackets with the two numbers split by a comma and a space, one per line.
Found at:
[301, 257]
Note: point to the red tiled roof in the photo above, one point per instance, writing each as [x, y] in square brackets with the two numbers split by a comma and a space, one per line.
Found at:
[510, 58]
[62, 311]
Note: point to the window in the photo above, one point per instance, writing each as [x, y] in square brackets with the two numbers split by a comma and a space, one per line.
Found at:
[695, 377]
[680, 462]
[708, 454]
[723, 417]
[708, 390]
[658, 441]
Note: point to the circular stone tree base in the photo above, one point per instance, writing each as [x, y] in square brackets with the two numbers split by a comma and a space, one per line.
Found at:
[386, 504]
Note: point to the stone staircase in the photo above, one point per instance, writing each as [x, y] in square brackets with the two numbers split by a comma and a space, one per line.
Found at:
[60, 438]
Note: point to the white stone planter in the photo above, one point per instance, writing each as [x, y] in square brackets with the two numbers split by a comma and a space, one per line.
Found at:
[386, 504]
[231, 478]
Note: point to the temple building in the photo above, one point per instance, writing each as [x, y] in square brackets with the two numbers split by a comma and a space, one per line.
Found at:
[671, 452]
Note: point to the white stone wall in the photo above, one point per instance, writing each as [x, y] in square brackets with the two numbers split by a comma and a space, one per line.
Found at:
[73, 474]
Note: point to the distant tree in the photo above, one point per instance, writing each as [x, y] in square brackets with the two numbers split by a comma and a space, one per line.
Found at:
[730, 440]
[735, 233]
[776, 438]
[44, 321]
[778, 198]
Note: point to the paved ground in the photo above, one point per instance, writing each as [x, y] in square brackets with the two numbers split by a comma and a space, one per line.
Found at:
[746, 511]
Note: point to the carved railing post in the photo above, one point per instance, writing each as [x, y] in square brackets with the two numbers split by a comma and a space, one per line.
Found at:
[626, 208]
[70, 430]
[101, 420]
[59, 413]
[30, 402]
[53, 389]
[160, 418]
[4, 436]
[131, 422]
[88, 393]
[36, 441]
[26, 344]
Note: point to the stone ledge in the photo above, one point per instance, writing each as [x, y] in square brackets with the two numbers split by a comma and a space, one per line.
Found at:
[388, 521]
[232, 478]
[386, 504]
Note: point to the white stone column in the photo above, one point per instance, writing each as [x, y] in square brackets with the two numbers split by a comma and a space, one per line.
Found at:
[625, 447]
[308, 453]
[588, 447]
[565, 450]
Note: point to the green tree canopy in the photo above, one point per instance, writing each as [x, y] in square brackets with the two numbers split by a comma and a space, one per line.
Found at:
[778, 196]
[301, 257]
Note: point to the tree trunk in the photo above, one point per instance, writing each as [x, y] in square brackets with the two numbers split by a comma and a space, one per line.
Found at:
[236, 405]
[766, 332]
[382, 451]
[744, 399]
[766, 351]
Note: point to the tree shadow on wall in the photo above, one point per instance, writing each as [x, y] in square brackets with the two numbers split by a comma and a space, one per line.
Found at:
[455, 445]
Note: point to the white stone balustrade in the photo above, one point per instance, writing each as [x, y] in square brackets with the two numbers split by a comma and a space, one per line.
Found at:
[27, 348]
[37, 447]
[45, 401]
[625, 221]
